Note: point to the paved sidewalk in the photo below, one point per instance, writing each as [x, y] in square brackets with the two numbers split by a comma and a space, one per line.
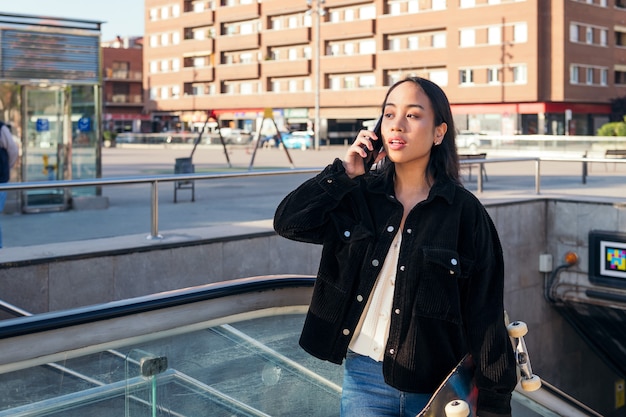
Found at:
[250, 199]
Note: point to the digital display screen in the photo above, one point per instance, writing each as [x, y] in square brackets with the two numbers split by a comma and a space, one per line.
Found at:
[607, 258]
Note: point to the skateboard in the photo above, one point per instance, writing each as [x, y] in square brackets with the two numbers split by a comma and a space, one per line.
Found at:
[457, 395]
[517, 331]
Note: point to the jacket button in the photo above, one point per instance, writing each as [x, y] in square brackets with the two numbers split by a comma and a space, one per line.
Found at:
[402, 268]
[451, 272]
[329, 181]
[375, 262]
[346, 233]
[397, 311]
[409, 231]
[390, 229]
[392, 351]
[359, 298]
[453, 261]
[346, 332]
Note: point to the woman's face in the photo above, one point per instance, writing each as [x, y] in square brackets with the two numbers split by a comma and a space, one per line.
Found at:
[408, 125]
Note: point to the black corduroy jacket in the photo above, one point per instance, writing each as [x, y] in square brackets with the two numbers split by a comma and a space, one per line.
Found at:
[448, 297]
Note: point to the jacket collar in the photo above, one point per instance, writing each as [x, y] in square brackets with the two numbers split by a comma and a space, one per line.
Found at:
[382, 183]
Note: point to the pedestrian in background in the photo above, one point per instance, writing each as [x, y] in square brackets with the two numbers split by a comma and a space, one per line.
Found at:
[8, 158]
[411, 276]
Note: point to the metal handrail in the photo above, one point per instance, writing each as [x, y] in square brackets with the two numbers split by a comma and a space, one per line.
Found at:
[154, 180]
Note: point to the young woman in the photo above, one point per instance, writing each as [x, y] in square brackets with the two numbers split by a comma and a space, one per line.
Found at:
[411, 275]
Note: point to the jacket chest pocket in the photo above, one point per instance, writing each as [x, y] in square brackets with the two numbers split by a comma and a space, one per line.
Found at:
[438, 294]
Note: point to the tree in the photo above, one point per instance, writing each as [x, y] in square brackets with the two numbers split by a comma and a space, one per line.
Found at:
[613, 128]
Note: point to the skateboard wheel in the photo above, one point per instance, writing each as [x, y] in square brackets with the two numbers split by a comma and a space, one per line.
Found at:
[457, 408]
[517, 329]
[531, 384]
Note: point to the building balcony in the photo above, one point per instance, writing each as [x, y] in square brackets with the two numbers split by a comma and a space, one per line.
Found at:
[238, 71]
[123, 100]
[276, 7]
[197, 19]
[239, 12]
[389, 24]
[412, 59]
[291, 36]
[197, 74]
[355, 97]
[347, 63]
[348, 30]
[240, 42]
[121, 76]
[286, 68]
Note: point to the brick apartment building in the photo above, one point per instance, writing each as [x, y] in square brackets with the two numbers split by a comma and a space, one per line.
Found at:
[508, 66]
[123, 97]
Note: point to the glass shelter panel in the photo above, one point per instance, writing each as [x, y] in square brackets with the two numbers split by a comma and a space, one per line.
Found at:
[46, 147]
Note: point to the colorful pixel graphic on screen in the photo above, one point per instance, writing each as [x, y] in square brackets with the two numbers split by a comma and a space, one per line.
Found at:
[616, 259]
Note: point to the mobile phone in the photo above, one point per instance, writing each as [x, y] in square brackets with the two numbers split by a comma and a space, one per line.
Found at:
[368, 161]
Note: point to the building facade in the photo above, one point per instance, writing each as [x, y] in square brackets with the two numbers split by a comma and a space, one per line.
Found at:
[507, 66]
[122, 85]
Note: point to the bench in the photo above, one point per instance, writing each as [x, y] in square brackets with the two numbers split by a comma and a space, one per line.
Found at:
[470, 157]
[615, 154]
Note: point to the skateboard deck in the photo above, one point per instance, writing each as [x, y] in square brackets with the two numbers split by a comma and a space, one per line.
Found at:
[456, 394]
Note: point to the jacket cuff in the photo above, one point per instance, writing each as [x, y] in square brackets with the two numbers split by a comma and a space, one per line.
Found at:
[492, 404]
[334, 180]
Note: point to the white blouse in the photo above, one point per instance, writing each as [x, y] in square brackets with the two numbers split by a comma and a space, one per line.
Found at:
[370, 336]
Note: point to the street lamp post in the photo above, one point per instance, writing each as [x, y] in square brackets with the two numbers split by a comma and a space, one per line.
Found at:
[316, 7]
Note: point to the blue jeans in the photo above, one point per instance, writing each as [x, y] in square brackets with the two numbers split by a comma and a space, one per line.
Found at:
[365, 393]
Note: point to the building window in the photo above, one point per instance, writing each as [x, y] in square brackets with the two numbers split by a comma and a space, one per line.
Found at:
[307, 84]
[493, 75]
[494, 35]
[348, 15]
[245, 88]
[604, 35]
[307, 52]
[520, 74]
[589, 76]
[367, 81]
[395, 9]
[573, 32]
[439, 40]
[367, 47]
[520, 32]
[175, 64]
[468, 3]
[394, 44]
[620, 38]
[348, 48]
[573, 75]
[413, 43]
[604, 76]
[589, 35]
[367, 12]
[620, 77]
[466, 76]
[276, 86]
[467, 37]
[414, 6]
[440, 5]
[439, 77]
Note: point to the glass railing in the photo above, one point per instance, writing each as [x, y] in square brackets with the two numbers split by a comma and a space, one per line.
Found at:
[227, 349]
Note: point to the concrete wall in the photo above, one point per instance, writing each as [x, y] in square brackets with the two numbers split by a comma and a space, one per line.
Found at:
[54, 277]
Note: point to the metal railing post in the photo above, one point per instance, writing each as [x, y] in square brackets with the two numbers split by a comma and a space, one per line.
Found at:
[479, 181]
[537, 175]
[154, 211]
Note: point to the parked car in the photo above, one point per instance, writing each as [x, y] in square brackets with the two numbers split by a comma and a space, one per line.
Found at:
[466, 139]
[299, 140]
[238, 136]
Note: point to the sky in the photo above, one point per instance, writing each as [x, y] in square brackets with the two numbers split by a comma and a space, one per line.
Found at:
[119, 17]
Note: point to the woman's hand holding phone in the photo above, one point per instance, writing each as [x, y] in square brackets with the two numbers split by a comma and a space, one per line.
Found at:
[366, 150]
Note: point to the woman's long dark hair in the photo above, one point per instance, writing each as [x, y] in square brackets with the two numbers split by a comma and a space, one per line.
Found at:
[444, 158]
